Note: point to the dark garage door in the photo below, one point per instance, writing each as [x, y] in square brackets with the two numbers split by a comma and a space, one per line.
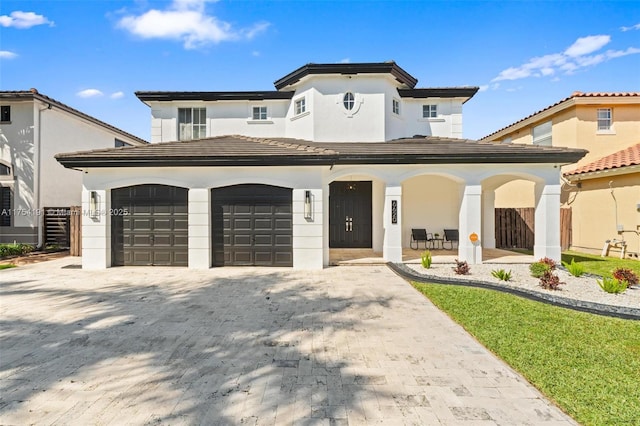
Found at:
[149, 226]
[252, 226]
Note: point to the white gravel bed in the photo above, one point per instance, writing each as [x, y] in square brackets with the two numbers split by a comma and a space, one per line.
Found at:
[582, 288]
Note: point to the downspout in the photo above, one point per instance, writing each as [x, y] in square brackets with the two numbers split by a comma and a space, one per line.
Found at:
[38, 178]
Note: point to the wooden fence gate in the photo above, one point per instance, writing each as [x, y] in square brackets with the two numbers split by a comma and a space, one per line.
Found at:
[56, 226]
[515, 228]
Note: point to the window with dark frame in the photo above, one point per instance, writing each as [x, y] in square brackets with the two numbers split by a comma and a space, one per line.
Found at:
[5, 206]
[348, 100]
[5, 170]
[5, 114]
[396, 107]
[120, 143]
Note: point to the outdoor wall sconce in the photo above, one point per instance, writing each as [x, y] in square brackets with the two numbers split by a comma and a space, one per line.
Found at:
[93, 204]
[307, 205]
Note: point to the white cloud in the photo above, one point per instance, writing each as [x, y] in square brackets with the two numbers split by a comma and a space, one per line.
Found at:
[633, 27]
[579, 55]
[89, 93]
[23, 20]
[5, 54]
[586, 45]
[345, 60]
[483, 88]
[187, 21]
[117, 95]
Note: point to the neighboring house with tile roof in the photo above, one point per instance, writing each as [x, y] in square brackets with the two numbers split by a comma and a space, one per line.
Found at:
[608, 126]
[33, 128]
[338, 156]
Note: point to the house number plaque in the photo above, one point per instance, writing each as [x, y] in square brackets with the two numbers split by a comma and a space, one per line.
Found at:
[394, 211]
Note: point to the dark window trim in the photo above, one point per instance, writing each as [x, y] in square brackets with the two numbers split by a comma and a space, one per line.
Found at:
[5, 114]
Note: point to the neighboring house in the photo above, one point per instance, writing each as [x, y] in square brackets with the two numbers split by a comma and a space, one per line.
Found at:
[603, 124]
[339, 156]
[33, 128]
[605, 199]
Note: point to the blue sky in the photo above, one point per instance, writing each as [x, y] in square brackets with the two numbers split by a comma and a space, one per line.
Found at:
[94, 54]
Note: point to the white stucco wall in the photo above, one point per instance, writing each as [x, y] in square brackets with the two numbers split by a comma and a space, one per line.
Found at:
[325, 119]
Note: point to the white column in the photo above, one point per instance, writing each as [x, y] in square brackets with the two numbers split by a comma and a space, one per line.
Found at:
[547, 222]
[199, 228]
[308, 249]
[489, 219]
[470, 222]
[392, 220]
[96, 230]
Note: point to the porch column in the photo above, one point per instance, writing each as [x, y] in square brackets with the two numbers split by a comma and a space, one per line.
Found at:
[199, 228]
[96, 229]
[392, 220]
[470, 221]
[489, 219]
[547, 222]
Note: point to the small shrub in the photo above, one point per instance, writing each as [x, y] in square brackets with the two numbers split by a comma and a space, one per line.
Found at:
[612, 285]
[538, 269]
[575, 269]
[625, 274]
[462, 268]
[548, 261]
[550, 281]
[501, 274]
[15, 249]
[425, 259]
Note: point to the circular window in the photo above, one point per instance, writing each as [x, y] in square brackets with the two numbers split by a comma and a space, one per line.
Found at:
[348, 101]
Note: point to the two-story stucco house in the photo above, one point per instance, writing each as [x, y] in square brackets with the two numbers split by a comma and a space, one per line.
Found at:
[603, 188]
[338, 156]
[33, 128]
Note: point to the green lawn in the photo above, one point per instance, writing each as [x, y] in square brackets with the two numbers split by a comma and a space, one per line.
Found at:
[588, 364]
[7, 266]
[602, 266]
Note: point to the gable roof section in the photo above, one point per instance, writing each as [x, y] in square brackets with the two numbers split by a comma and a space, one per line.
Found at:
[348, 69]
[33, 94]
[246, 151]
[625, 158]
[576, 98]
[439, 92]
[148, 96]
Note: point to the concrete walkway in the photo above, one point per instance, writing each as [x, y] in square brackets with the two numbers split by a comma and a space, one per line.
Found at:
[249, 346]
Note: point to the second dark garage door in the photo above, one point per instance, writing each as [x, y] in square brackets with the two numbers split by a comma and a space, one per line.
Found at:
[252, 225]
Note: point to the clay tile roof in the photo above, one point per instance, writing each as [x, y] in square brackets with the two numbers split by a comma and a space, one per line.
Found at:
[574, 95]
[627, 157]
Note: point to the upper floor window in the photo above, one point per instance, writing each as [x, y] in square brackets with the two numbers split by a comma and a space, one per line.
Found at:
[507, 140]
[120, 143]
[349, 101]
[542, 134]
[300, 106]
[192, 123]
[604, 119]
[5, 170]
[259, 112]
[429, 111]
[396, 106]
[5, 114]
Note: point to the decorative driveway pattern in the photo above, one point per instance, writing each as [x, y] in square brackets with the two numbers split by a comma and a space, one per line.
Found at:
[244, 346]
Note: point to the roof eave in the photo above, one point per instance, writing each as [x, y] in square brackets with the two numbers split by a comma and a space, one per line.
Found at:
[603, 173]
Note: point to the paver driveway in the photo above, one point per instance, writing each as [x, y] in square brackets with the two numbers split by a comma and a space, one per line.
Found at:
[346, 345]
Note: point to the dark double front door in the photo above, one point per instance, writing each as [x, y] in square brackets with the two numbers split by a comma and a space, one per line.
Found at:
[350, 214]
